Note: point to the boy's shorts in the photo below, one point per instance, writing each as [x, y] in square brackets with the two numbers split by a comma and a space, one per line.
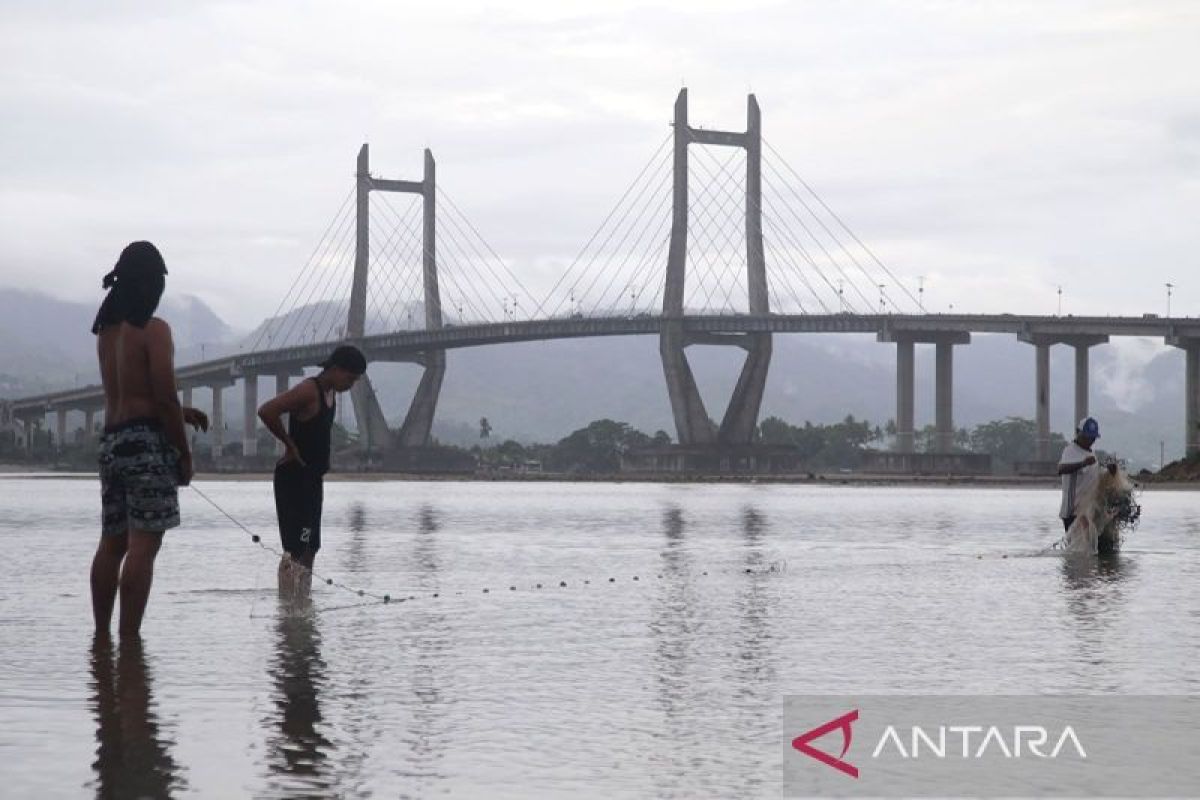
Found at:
[139, 473]
[299, 495]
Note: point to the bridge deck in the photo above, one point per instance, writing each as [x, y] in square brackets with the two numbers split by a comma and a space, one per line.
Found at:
[408, 345]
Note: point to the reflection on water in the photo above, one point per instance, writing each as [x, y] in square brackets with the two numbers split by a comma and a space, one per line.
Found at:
[133, 752]
[298, 752]
[673, 627]
[755, 662]
[1095, 592]
[427, 731]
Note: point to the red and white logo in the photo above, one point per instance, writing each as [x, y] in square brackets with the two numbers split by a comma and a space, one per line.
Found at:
[843, 723]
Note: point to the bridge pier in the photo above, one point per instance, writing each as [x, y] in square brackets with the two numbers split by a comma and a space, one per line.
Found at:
[944, 397]
[1042, 343]
[89, 424]
[905, 395]
[60, 429]
[944, 342]
[1191, 418]
[417, 429]
[1191, 397]
[216, 428]
[249, 415]
[1042, 400]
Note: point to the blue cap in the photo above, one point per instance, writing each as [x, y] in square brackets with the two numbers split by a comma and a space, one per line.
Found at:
[1089, 427]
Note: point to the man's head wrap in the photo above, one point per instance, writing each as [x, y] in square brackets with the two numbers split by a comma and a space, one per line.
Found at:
[135, 285]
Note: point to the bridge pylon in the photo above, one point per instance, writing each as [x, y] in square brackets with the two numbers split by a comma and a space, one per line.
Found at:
[692, 423]
[418, 423]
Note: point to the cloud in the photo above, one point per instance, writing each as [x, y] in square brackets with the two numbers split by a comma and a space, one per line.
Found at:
[998, 149]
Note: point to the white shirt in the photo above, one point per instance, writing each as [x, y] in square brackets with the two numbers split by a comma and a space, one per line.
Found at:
[1076, 485]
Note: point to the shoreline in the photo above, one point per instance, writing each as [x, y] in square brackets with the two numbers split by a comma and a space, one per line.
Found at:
[47, 472]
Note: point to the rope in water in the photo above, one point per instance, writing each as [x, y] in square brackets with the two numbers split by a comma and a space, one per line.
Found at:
[777, 566]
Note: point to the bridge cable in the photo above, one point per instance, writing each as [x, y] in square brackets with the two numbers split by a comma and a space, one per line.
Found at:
[783, 275]
[323, 276]
[770, 193]
[655, 180]
[467, 241]
[844, 226]
[304, 270]
[837, 242]
[330, 277]
[303, 312]
[447, 268]
[643, 273]
[657, 198]
[619, 226]
[405, 278]
[820, 272]
[736, 242]
[455, 209]
[653, 158]
[788, 241]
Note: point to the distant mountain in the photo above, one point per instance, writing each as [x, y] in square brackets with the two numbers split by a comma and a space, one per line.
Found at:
[46, 343]
[541, 391]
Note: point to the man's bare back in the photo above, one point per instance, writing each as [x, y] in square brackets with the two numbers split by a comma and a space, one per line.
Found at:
[138, 372]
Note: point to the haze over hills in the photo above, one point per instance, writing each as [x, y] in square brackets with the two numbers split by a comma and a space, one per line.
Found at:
[541, 391]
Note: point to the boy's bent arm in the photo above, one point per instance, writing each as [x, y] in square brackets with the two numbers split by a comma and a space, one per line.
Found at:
[160, 351]
[296, 400]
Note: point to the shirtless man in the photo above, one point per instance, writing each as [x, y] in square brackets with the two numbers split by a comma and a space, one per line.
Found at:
[144, 452]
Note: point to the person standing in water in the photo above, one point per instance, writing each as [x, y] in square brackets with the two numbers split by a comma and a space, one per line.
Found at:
[1078, 469]
[299, 475]
[144, 454]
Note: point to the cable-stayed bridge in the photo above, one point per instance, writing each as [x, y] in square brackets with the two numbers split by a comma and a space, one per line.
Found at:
[716, 241]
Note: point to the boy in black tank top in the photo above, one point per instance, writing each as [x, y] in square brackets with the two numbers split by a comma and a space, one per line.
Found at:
[299, 475]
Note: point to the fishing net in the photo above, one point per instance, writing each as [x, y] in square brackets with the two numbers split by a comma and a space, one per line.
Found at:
[1105, 515]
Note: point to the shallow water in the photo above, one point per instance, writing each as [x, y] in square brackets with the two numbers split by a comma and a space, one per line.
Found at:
[670, 685]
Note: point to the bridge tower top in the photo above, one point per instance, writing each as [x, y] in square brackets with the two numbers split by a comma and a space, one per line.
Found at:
[751, 141]
[365, 183]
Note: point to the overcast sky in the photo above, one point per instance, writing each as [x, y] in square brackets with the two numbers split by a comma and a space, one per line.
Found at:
[998, 149]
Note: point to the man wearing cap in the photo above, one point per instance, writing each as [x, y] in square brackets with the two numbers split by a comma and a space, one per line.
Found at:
[1078, 469]
[299, 475]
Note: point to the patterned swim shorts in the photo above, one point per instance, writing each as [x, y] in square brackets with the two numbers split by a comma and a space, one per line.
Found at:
[138, 477]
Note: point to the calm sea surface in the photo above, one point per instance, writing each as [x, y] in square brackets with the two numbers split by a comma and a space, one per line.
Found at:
[667, 685]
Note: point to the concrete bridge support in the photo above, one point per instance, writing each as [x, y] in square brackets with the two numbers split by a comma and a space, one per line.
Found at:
[1042, 344]
[944, 342]
[692, 423]
[1042, 400]
[249, 415]
[89, 424]
[216, 419]
[1192, 399]
[905, 395]
[60, 428]
[1191, 396]
[944, 397]
[417, 429]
